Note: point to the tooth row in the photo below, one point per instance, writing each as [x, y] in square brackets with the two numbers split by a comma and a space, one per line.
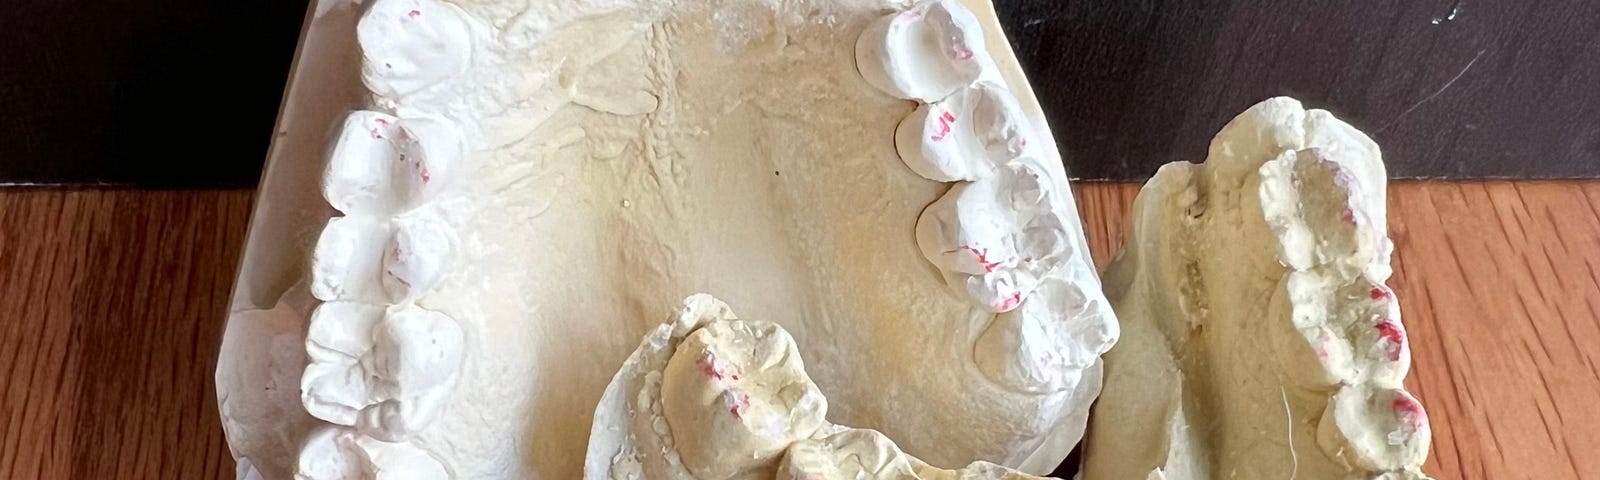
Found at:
[999, 235]
[383, 367]
[1357, 342]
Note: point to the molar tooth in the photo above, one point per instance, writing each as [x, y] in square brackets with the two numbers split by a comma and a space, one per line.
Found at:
[1375, 429]
[996, 237]
[337, 453]
[387, 372]
[923, 53]
[1044, 345]
[964, 136]
[408, 45]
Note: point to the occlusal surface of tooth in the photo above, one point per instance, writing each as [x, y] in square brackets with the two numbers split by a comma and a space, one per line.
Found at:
[385, 371]
[924, 53]
[339, 453]
[383, 165]
[964, 136]
[409, 45]
[996, 239]
[1259, 340]
[1045, 345]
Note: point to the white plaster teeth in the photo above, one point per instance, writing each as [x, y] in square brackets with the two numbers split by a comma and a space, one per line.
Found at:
[964, 136]
[385, 371]
[382, 367]
[1395, 439]
[1044, 345]
[709, 396]
[337, 453]
[1001, 232]
[383, 165]
[924, 53]
[1288, 209]
[997, 238]
[409, 45]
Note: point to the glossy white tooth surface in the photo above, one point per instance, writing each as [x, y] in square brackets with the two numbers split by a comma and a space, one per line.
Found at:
[347, 260]
[924, 53]
[418, 255]
[408, 45]
[382, 165]
[1044, 345]
[338, 453]
[964, 136]
[387, 371]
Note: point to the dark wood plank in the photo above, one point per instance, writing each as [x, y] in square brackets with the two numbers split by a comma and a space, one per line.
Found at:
[1450, 88]
[113, 304]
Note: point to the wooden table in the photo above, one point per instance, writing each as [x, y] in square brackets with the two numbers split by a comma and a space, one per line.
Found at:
[112, 305]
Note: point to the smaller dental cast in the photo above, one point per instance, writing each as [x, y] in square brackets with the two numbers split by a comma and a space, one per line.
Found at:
[708, 396]
[382, 366]
[1259, 338]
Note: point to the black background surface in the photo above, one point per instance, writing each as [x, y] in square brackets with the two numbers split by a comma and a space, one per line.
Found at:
[183, 93]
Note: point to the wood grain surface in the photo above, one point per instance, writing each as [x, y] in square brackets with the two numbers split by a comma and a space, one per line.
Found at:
[112, 305]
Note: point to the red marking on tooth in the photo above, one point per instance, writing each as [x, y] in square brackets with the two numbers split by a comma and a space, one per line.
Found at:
[1397, 338]
[738, 409]
[414, 14]
[982, 255]
[1011, 302]
[708, 365]
[1409, 411]
[944, 126]
[1379, 293]
[961, 52]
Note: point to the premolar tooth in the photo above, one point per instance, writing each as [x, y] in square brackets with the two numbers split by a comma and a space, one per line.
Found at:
[924, 53]
[347, 258]
[408, 45]
[416, 258]
[382, 165]
[964, 136]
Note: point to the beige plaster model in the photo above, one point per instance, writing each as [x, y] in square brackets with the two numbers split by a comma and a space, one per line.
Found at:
[708, 396]
[1260, 341]
[473, 207]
